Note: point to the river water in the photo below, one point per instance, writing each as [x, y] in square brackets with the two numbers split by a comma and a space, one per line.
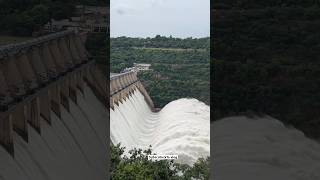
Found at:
[263, 149]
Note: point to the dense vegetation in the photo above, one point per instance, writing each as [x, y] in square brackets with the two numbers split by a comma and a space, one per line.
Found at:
[267, 59]
[180, 67]
[161, 42]
[137, 166]
[23, 17]
[98, 46]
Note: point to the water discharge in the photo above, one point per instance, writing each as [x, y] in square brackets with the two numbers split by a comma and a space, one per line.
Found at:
[73, 147]
[264, 149]
[181, 128]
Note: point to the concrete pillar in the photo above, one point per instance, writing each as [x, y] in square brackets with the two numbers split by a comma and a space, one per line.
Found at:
[128, 81]
[88, 75]
[130, 90]
[119, 99]
[6, 133]
[116, 99]
[99, 80]
[58, 59]
[131, 78]
[134, 76]
[65, 53]
[117, 83]
[20, 122]
[73, 88]
[133, 88]
[45, 106]
[81, 44]
[123, 82]
[80, 83]
[73, 50]
[126, 93]
[64, 94]
[80, 54]
[146, 95]
[55, 100]
[124, 79]
[102, 80]
[111, 103]
[38, 66]
[73, 94]
[27, 73]
[33, 114]
[81, 49]
[49, 61]
[13, 78]
[5, 98]
[113, 87]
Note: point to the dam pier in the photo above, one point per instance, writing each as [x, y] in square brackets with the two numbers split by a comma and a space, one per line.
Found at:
[123, 85]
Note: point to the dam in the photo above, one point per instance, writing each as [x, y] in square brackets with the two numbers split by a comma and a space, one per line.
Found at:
[53, 110]
[181, 128]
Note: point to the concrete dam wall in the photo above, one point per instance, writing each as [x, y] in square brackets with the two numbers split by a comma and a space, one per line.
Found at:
[181, 128]
[53, 111]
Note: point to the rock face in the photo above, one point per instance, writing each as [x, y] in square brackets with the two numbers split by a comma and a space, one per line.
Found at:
[73, 147]
[262, 149]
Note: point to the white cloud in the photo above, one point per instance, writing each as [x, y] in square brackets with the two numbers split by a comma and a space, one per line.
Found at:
[122, 10]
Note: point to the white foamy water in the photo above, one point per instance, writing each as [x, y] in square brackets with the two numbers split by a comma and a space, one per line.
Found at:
[72, 148]
[181, 128]
[262, 149]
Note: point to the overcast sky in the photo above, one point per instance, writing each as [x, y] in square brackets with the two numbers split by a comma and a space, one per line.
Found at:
[147, 18]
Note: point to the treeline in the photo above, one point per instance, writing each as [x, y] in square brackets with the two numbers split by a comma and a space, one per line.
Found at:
[23, 17]
[267, 60]
[125, 57]
[162, 42]
[254, 4]
[137, 166]
[175, 74]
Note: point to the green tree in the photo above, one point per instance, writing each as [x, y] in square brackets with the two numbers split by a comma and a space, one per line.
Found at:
[137, 166]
